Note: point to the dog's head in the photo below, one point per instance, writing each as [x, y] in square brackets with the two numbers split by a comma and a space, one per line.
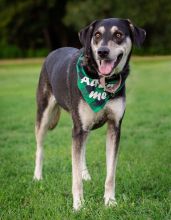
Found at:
[110, 42]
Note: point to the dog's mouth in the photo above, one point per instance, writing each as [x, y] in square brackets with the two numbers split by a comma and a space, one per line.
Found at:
[107, 66]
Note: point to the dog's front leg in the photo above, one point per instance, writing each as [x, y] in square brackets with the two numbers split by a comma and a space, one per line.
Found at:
[85, 174]
[112, 142]
[77, 187]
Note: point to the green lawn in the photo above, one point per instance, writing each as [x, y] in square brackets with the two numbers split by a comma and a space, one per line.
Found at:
[143, 182]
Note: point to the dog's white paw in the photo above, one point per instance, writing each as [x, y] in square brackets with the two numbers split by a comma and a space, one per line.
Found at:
[110, 202]
[78, 204]
[37, 177]
[37, 174]
[85, 175]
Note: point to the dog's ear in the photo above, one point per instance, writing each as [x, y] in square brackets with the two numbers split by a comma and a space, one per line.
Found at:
[138, 34]
[85, 36]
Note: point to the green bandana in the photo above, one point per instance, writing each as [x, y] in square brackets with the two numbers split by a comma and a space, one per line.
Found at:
[92, 91]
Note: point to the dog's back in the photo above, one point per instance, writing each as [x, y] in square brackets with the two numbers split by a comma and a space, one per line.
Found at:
[54, 76]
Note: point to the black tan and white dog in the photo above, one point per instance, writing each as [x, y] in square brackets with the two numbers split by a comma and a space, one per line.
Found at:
[90, 85]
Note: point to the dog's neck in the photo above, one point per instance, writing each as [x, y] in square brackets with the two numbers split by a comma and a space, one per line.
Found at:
[90, 66]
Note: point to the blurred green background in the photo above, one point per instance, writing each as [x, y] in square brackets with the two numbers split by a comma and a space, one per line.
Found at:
[32, 28]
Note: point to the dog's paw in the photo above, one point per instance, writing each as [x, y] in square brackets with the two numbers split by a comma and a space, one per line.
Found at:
[37, 177]
[78, 204]
[110, 202]
[85, 175]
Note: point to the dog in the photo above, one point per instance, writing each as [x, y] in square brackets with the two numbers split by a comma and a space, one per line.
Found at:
[89, 84]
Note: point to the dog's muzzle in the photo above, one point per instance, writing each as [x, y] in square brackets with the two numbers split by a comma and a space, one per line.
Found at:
[106, 65]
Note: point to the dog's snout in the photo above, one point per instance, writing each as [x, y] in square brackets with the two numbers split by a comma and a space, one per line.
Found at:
[103, 52]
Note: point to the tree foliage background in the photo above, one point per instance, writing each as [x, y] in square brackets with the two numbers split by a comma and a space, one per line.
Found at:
[34, 27]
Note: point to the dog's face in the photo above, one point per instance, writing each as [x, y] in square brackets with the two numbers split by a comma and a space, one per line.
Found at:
[110, 42]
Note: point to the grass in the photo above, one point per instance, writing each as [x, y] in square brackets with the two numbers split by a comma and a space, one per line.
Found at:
[143, 183]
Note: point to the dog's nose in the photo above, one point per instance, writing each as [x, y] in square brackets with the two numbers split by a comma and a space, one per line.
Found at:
[103, 52]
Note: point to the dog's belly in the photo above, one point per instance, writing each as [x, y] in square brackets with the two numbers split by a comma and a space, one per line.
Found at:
[113, 111]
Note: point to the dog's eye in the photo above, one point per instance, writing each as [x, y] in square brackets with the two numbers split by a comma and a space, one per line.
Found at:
[98, 36]
[118, 35]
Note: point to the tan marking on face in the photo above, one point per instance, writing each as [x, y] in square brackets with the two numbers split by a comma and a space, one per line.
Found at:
[116, 49]
[101, 29]
[113, 29]
[125, 47]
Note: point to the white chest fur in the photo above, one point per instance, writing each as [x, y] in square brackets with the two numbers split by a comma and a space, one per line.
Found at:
[113, 110]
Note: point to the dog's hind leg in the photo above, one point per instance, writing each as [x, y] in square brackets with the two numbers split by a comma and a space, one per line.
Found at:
[49, 119]
[48, 114]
